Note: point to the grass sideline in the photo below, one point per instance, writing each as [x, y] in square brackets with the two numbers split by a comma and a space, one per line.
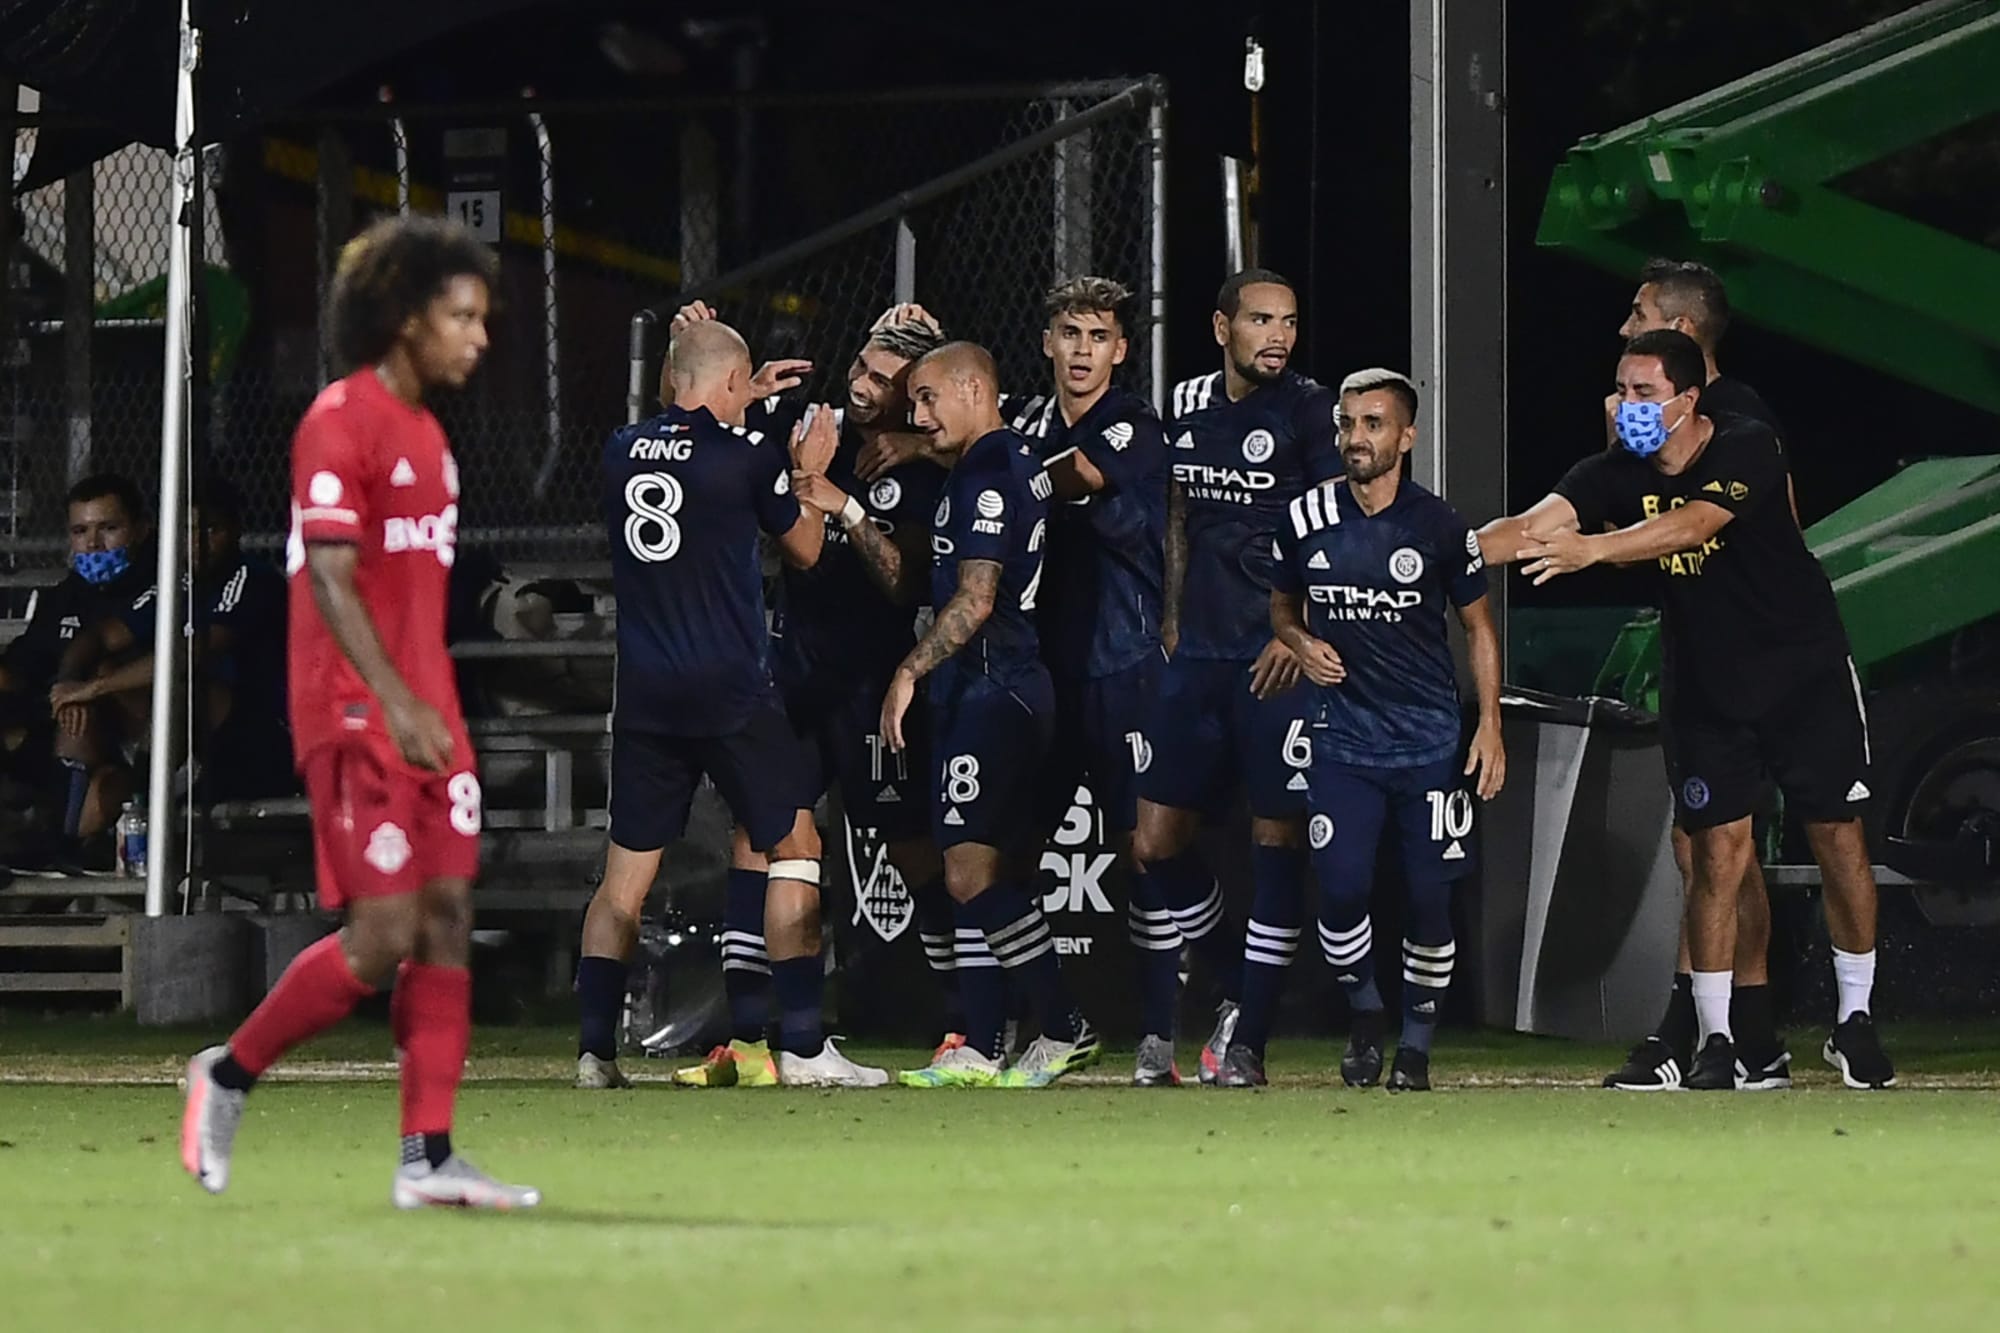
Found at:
[1515, 1197]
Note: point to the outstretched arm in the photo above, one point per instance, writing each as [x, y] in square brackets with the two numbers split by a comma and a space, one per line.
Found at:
[1504, 540]
[1683, 529]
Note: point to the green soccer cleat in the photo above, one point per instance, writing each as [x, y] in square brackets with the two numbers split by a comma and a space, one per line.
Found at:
[954, 1067]
[1047, 1060]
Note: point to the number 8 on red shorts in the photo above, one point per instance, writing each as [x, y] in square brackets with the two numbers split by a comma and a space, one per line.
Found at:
[380, 830]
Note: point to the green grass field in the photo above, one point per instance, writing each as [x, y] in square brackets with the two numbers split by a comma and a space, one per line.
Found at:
[1514, 1197]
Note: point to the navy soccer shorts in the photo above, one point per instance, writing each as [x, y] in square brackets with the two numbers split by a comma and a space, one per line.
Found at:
[840, 721]
[1207, 734]
[1813, 743]
[1427, 811]
[1100, 742]
[762, 770]
[988, 749]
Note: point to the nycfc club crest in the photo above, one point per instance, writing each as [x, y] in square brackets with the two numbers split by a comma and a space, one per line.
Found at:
[880, 896]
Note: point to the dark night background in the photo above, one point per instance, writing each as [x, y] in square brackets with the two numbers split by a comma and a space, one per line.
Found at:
[1333, 156]
[1334, 167]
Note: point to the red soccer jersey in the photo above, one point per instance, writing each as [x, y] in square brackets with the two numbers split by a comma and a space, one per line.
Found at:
[370, 470]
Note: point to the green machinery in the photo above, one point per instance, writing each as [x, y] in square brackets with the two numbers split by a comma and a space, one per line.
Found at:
[1741, 177]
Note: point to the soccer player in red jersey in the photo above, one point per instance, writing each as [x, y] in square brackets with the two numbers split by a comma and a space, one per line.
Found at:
[374, 703]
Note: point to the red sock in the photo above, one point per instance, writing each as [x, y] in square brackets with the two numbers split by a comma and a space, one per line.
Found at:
[399, 1006]
[437, 1004]
[317, 991]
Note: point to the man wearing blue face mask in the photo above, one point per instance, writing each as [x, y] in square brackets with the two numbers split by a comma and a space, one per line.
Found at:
[1761, 685]
[111, 563]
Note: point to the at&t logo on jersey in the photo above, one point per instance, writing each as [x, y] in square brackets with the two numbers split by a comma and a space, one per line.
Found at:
[437, 533]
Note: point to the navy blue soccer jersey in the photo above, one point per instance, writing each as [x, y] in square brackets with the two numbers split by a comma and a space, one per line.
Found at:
[995, 507]
[1376, 588]
[1240, 463]
[835, 617]
[684, 497]
[1099, 605]
[247, 599]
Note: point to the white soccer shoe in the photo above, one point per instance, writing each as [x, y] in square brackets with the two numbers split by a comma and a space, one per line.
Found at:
[595, 1075]
[828, 1069]
[457, 1184]
[209, 1122]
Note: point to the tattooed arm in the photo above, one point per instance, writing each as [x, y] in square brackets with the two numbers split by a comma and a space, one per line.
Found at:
[897, 565]
[957, 621]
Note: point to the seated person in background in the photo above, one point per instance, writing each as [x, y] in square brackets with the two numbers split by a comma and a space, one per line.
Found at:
[238, 610]
[111, 562]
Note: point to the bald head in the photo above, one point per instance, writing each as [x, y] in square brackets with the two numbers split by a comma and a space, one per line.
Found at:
[705, 350]
[955, 394]
[708, 365]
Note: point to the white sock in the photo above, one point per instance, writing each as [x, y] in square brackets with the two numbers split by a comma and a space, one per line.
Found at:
[1711, 1003]
[1854, 974]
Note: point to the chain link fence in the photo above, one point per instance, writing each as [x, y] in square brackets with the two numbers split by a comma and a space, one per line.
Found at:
[803, 217]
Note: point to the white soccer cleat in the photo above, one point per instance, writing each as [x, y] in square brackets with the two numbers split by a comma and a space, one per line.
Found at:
[828, 1069]
[457, 1184]
[595, 1075]
[209, 1123]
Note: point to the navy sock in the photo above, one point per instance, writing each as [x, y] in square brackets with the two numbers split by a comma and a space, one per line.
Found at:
[982, 987]
[77, 778]
[1271, 940]
[600, 1000]
[1157, 941]
[1429, 953]
[1349, 947]
[796, 982]
[1019, 937]
[938, 931]
[746, 967]
[1184, 886]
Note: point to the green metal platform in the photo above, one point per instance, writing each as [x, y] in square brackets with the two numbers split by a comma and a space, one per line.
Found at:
[1745, 178]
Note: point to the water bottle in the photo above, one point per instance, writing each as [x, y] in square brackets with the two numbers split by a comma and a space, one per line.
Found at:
[132, 842]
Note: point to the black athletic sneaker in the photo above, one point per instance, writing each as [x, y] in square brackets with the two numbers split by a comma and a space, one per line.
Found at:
[1361, 1062]
[1766, 1070]
[1856, 1051]
[1241, 1068]
[1651, 1066]
[1714, 1066]
[1412, 1072]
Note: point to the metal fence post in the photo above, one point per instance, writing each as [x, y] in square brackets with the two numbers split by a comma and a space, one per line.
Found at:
[635, 375]
[1156, 169]
[906, 262]
[79, 310]
[552, 454]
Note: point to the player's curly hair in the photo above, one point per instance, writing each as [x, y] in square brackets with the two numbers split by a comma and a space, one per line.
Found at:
[1088, 296]
[392, 271]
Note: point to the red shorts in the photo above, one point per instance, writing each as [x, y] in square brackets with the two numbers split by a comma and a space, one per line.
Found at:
[379, 831]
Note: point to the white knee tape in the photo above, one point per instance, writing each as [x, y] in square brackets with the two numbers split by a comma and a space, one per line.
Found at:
[804, 871]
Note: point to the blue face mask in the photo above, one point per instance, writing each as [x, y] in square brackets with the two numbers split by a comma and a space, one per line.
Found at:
[98, 568]
[1642, 427]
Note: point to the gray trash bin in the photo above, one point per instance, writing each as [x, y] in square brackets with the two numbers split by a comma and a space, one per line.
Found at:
[1577, 905]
